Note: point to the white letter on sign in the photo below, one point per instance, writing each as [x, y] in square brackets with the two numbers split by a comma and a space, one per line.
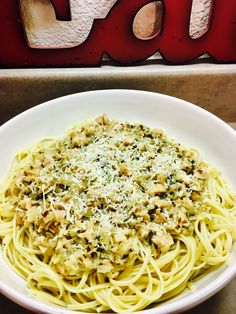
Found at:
[43, 30]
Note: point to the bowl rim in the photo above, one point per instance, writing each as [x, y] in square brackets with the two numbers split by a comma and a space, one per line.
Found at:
[179, 305]
[182, 102]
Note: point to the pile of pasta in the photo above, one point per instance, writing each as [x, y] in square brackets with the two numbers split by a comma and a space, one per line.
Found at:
[114, 216]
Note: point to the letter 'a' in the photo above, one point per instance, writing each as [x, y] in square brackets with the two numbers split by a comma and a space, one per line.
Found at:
[107, 28]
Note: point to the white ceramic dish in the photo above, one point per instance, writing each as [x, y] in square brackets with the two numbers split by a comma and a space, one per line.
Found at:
[183, 121]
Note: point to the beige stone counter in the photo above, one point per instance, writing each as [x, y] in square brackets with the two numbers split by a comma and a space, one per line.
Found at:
[211, 86]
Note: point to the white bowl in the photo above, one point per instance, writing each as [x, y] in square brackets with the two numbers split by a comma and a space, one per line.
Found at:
[183, 121]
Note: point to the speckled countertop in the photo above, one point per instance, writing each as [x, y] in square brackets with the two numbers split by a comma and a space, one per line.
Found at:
[211, 86]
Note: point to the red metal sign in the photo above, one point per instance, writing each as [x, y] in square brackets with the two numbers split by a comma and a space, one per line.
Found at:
[114, 36]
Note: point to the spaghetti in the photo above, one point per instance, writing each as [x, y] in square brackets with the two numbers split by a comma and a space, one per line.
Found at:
[113, 216]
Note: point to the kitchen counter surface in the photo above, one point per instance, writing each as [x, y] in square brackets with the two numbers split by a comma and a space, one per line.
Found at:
[211, 86]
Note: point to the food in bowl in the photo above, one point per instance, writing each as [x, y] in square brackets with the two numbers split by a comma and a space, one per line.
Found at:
[114, 216]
